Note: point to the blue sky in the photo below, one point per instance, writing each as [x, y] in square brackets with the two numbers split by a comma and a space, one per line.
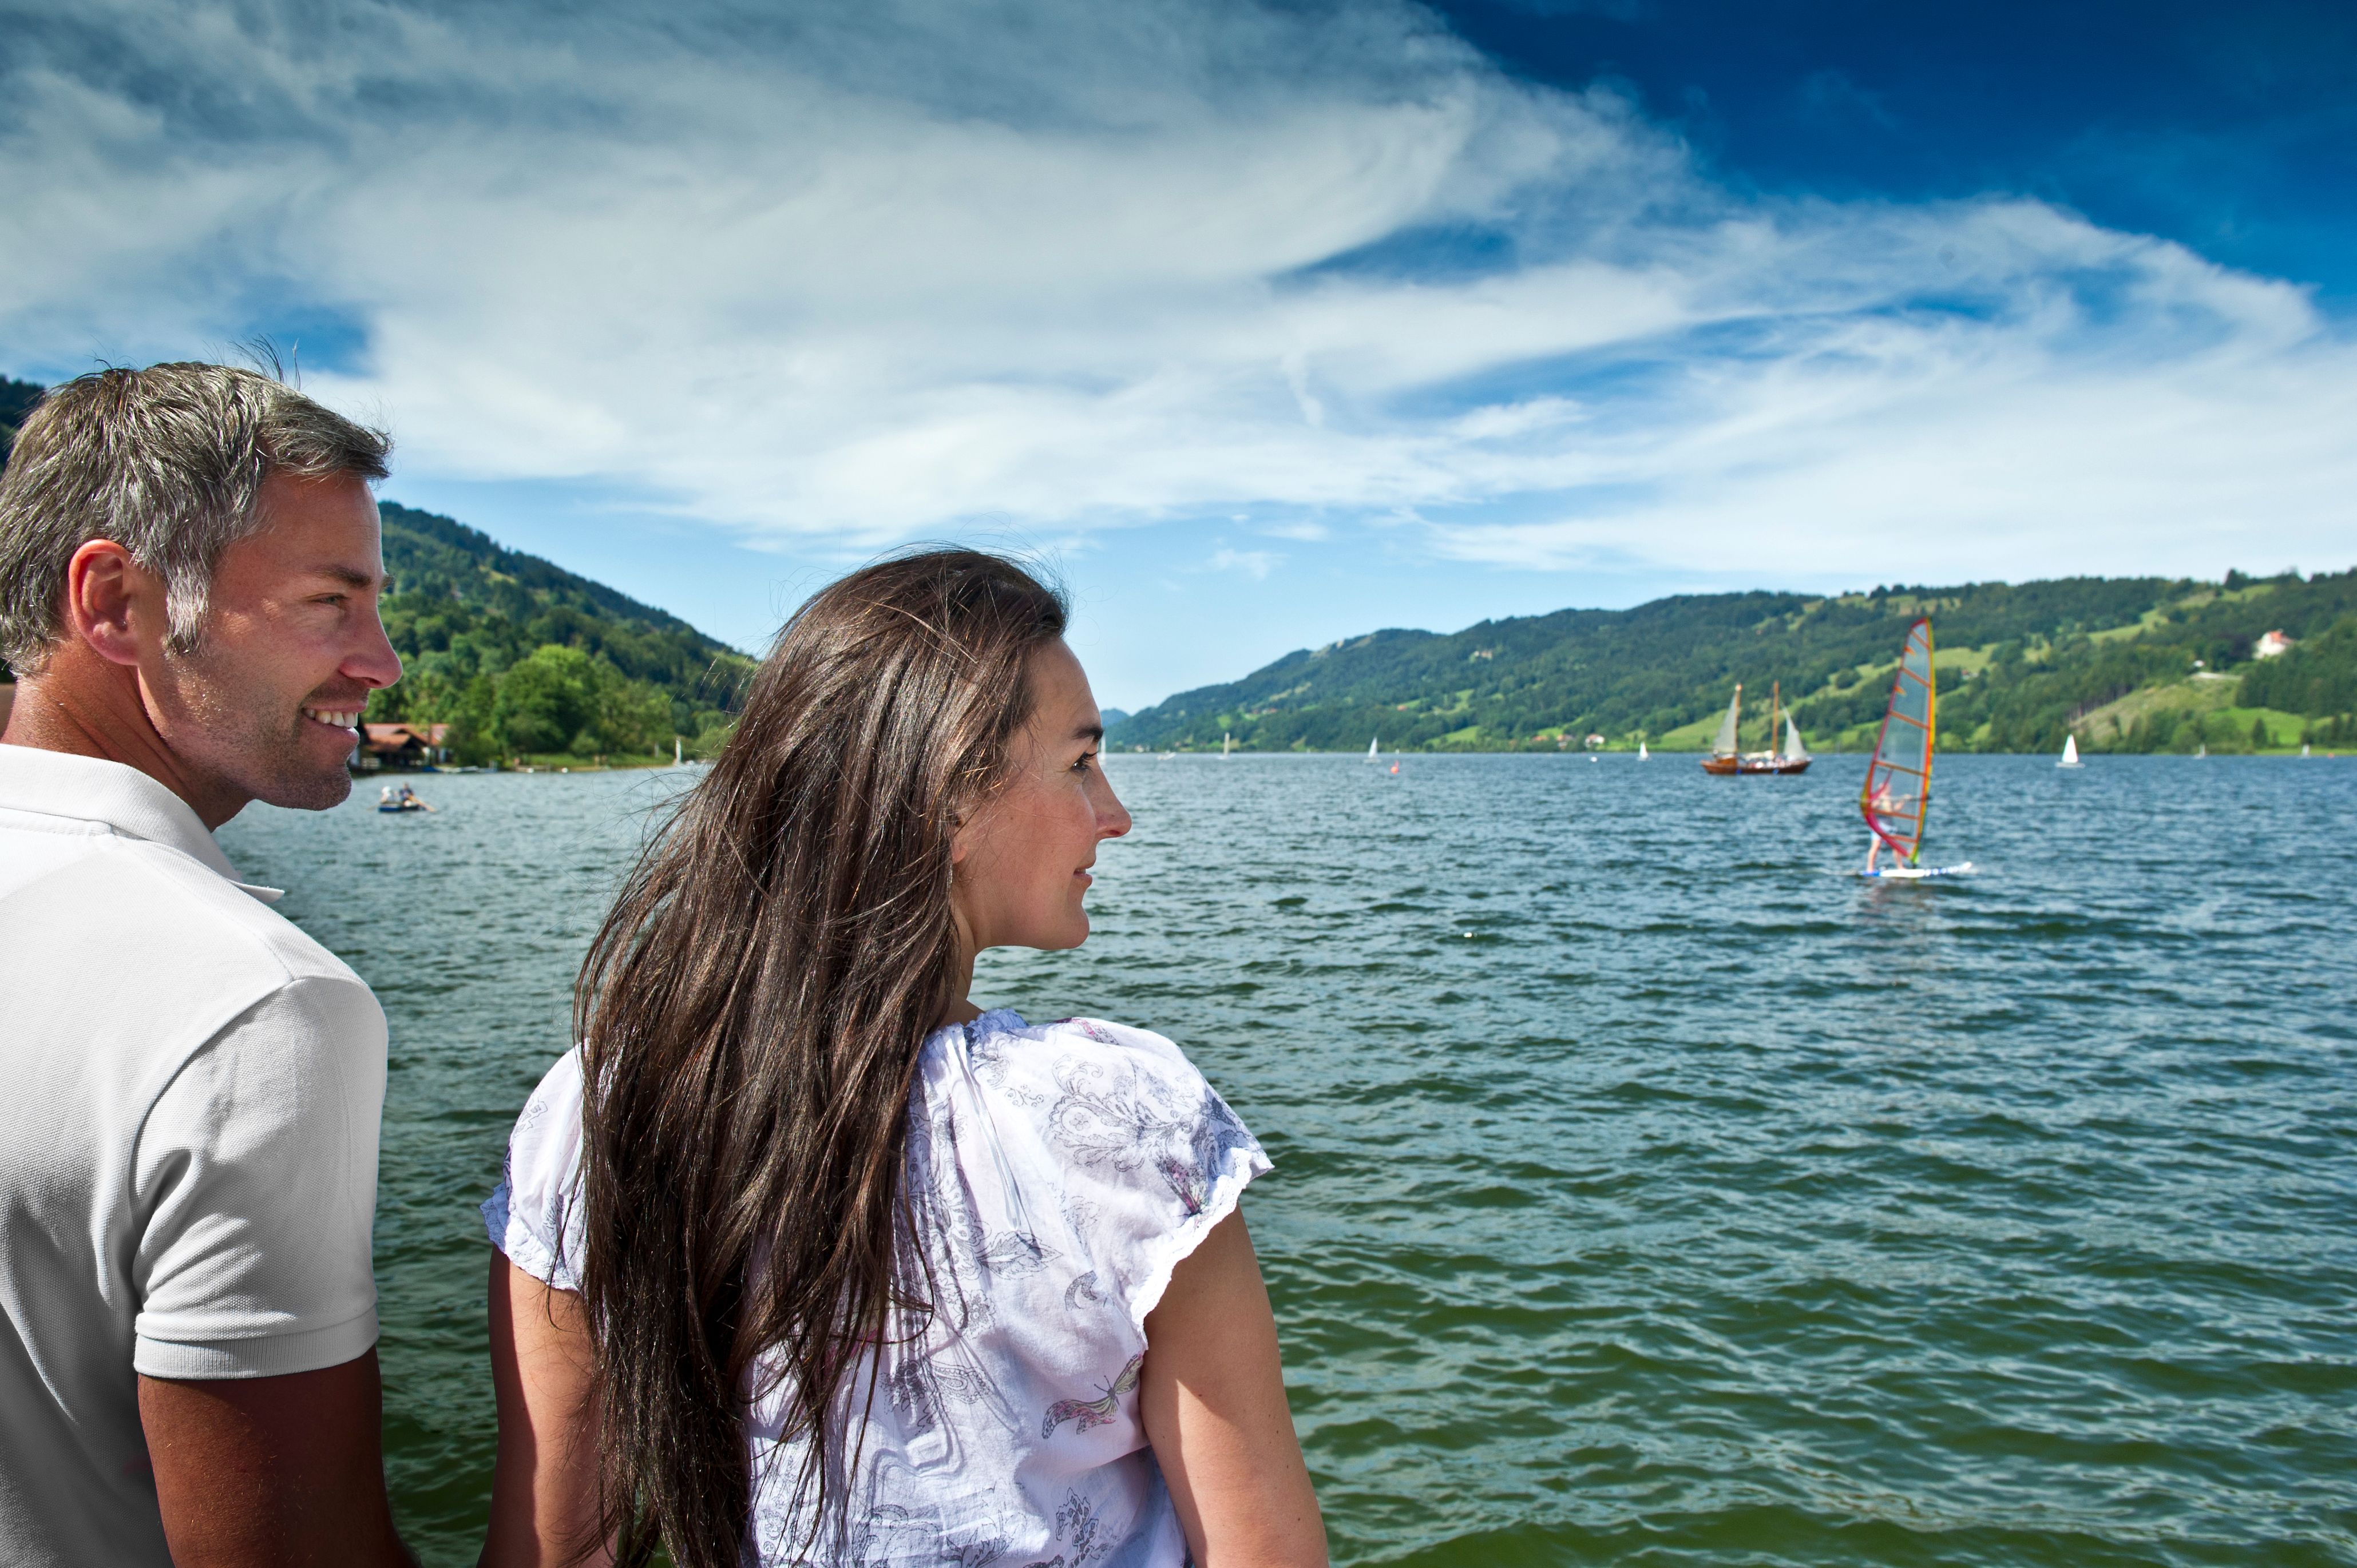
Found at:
[1264, 325]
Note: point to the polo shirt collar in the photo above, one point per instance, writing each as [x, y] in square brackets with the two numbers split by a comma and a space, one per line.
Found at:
[92, 790]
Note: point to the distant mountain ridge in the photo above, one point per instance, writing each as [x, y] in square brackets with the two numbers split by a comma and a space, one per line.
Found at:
[2113, 660]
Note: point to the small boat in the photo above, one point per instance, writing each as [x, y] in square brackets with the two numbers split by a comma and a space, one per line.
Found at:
[1227, 745]
[1370, 750]
[1727, 760]
[1897, 794]
[406, 800]
[2069, 753]
[2202, 751]
[1642, 755]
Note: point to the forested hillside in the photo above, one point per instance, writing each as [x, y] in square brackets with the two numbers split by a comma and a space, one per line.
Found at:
[521, 657]
[2130, 664]
[17, 399]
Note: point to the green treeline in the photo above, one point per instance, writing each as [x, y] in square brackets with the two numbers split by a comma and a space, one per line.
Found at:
[521, 658]
[2128, 664]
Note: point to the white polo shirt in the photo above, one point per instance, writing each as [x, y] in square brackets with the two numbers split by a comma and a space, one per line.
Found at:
[189, 1094]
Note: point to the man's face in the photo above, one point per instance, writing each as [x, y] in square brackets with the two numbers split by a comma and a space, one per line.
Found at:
[268, 705]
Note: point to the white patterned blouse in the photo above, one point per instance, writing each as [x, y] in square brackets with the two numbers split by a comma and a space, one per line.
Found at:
[1060, 1171]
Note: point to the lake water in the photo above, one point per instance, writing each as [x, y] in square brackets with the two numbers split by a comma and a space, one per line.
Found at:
[1649, 1189]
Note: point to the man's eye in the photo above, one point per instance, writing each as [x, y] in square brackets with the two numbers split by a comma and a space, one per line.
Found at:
[1082, 765]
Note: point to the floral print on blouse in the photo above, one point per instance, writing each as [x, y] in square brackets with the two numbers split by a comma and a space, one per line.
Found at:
[1059, 1172]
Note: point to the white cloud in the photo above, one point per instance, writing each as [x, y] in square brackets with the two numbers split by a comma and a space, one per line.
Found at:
[1254, 563]
[861, 274]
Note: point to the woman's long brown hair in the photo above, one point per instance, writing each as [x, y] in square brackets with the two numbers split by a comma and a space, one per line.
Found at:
[751, 1013]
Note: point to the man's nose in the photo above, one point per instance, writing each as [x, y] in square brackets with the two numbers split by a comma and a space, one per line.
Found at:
[374, 662]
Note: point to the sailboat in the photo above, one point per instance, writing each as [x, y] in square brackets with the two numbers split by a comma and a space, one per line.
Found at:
[1370, 750]
[1896, 793]
[1227, 745]
[1726, 759]
[2069, 753]
[1642, 755]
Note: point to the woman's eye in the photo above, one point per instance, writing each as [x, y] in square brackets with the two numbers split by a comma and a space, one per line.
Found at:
[1082, 765]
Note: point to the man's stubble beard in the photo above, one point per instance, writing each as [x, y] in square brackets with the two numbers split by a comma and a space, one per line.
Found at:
[223, 725]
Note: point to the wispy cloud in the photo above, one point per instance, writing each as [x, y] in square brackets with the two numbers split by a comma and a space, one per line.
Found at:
[1254, 563]
[858, 273]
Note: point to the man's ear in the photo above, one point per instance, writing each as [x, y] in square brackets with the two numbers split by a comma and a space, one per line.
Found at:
[108, 597]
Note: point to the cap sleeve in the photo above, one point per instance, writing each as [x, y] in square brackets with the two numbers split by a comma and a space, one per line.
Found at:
[1152, 1157]
[534, 1213]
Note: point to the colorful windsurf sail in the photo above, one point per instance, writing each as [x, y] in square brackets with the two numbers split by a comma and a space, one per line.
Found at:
[1897, 787]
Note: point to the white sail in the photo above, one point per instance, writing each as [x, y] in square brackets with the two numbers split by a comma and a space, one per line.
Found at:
[2070, 752]
[1642, 753]
[1794, 750]
[1724, 744]
[1370, 748]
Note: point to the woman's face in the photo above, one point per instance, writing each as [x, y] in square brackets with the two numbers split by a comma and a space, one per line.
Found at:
[1022, 859]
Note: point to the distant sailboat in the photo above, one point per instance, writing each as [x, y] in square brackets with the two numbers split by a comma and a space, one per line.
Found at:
[1227, 744]
[1370, 750]
[2202, 750]
[2069, 753]
[1795, 755]
[1897, 794]
[1726, 760]
[1642, 755]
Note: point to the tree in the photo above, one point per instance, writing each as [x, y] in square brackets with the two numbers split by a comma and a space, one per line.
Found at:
[548, 699]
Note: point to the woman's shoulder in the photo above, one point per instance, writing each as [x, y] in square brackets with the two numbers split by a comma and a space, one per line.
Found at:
[1010, 1052]
[1107, 1096]
[533, 1215]
[1142, 1154]
[554, 1108]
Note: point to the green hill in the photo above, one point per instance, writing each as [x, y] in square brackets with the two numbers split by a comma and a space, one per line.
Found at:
[2128, 664]
[521, 657]
[16, 400]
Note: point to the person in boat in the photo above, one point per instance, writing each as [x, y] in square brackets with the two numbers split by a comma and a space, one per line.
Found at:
[806, 1257]
[384, 795]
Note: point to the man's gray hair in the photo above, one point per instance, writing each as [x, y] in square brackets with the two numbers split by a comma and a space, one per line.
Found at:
[168, 462]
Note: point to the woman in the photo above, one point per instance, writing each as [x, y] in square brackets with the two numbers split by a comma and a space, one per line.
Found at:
[826, 1265]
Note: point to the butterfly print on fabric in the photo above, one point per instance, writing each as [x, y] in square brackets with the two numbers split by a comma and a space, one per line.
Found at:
[1087, 1414]
[1014, 1254]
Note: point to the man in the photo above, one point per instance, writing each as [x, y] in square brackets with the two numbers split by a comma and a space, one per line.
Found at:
[190, 566]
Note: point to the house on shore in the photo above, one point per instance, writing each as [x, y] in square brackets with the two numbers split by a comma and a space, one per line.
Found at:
[2272, 645]
[401, 747]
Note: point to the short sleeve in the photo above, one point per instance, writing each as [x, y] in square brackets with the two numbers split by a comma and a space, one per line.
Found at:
[256, 1170]
[1153, 1158]
[534, 1215]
